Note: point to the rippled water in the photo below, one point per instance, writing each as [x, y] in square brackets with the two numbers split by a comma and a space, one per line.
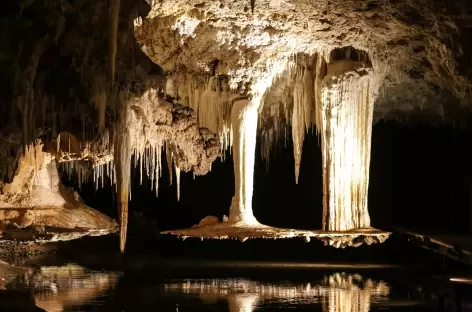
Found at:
[75, 288]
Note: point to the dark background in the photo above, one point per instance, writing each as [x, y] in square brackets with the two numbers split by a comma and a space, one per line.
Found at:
[420, 178]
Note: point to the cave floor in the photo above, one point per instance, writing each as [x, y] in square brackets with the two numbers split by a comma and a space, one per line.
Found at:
[243, 232]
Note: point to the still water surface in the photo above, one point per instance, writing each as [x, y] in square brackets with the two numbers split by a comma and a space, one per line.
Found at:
[74, 288]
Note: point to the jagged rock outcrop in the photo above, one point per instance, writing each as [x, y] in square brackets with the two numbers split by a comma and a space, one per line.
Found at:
[36, 206]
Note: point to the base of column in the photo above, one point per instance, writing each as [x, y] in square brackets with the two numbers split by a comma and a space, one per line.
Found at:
[243, 232]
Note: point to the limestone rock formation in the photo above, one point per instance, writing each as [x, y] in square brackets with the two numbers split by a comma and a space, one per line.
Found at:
[336, 66]
[38, 202]
[75, 77]
[413, 43]
[93, 103]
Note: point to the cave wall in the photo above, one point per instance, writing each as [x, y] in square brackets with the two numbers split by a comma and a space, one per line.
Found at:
[53, 67]
[75, 78]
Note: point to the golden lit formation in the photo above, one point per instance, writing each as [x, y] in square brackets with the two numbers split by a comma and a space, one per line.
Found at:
[346, 112]
[334, 95]
[338, 292]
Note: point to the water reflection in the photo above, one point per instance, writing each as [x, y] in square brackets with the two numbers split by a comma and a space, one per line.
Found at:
[338, 292]
[57, 288]
[351, 293]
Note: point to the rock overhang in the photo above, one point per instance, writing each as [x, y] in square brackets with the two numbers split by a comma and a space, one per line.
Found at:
[417, 49]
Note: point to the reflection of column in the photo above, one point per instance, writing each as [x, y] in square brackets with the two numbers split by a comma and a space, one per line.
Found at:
[346, 300]
[337, 292]
[242, 302]
[244, 122]
[349, 293]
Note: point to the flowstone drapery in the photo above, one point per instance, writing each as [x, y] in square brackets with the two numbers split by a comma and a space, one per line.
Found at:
[347, 107]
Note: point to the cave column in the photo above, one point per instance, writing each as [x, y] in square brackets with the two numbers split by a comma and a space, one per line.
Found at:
[244, 116]
[346, 126]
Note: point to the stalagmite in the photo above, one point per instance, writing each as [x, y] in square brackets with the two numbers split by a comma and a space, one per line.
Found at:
[244, 117]
[346, 127]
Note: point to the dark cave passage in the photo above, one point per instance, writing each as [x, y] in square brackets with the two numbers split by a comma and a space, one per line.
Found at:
[421, 177]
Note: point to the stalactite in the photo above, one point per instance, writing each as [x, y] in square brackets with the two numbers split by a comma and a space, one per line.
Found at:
[253, 5]
[100, 171]
[290, 102]
[177, 177]
[122, 157]
[302, 116]
[113, 16]
[308, 96]
[23, 86]
[346, 127]
[319, 75]
[169, 162]
[211, 99]
[81, 170]
[99, 98]
[298, 134]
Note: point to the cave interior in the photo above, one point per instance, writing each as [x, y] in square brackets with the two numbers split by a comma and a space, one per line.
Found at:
[271, 119]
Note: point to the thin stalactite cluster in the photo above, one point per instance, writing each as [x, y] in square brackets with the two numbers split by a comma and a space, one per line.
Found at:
[80, 84]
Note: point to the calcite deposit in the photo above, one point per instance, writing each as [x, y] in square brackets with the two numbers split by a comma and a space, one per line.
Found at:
[87, 85]
[336, 66]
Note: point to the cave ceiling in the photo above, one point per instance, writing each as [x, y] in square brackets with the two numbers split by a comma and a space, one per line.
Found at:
[419, 49]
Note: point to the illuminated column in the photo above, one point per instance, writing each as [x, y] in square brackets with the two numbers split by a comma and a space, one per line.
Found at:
[244, 117]
[345, 117]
